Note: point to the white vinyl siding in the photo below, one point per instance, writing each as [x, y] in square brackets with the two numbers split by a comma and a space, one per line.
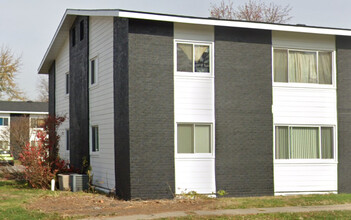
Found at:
[305, 105]
[194, 105]
[101, 100]
[62, 99]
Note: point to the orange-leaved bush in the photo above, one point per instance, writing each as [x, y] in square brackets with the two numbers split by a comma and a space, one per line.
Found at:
[41, 160]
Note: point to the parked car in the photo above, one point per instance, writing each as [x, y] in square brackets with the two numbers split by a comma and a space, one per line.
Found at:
[6, 157]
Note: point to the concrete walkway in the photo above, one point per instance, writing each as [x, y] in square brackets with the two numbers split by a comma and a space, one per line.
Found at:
[233, 212]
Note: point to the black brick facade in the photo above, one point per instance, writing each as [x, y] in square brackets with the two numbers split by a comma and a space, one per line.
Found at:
[121, 107]
[244, 121]
[52, 89]
[343, 55]
[78, 94]
[149, 117]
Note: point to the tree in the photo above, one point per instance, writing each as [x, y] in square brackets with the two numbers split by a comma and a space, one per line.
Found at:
[252, 11]
[43, 89]
[9, 66]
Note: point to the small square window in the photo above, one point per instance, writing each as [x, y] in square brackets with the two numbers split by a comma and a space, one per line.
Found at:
[194, 138]
[95, 138]
[37, 122]
[4, 121]
[193, 58]
[93, 71]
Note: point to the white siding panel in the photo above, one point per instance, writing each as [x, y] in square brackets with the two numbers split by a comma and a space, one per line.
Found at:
[195, 175]
[305, 177]
[62, 99]
[193, 99]
[303, 41]
[101, 100]
[193, 32]
[304, 106]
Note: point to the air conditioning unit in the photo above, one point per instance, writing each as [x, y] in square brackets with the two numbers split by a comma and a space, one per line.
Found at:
[78, 182]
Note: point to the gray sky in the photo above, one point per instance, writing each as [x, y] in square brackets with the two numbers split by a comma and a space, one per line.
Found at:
[27, 27]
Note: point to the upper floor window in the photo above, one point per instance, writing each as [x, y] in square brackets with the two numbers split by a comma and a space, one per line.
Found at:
[73, 36]
[4, 121]
[303, 66]
[81, 30]
[193, 57]
[93, 71]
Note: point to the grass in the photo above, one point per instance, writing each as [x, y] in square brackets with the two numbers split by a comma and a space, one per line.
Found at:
[281, 201]
[14, 195]
[325, 215]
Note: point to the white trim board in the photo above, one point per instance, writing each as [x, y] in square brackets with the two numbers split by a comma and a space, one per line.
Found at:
[70, 14]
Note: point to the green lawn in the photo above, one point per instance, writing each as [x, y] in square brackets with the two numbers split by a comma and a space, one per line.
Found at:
[281, 201]
[325, 215]
[14, 195]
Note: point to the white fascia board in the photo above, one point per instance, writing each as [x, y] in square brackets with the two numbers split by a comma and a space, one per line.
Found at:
[239, 24]
[93, 12]
[24, 112]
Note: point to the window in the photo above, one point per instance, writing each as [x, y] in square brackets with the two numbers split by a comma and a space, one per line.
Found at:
[4, 121]
[81, 30]
[297, 66]
[67, 83]
[193, 58]
[73, 36]
[37, 122]
[93, 71]
[95, 139]
[67, 140]
[194, 138]
[294, 142]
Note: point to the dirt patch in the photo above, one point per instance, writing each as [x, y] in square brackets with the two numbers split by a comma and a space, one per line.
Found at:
[100, 205]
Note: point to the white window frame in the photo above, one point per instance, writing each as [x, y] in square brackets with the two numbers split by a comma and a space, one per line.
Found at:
[305, 85]
[91, 140]
[195, 155]
[317, 160]
[96, 71]
[194, 43]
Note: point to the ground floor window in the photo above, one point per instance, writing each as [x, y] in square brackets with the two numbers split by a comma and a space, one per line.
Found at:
[95, 138]
[298, 142]
[194, 138]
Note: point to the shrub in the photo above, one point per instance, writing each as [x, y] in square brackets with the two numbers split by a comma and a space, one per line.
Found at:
[41, 161]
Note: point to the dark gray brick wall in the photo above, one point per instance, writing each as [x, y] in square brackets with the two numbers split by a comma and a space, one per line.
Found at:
[244, 121]
[78, 95]
[52, 88]
[343, 57]
[151, 109]
[121, 106]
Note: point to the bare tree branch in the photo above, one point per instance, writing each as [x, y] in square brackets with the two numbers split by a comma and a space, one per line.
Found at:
[253, 10]
[43, 88]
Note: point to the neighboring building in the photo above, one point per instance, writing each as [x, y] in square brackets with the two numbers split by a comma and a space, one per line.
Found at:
[20, 120]
[162, 104]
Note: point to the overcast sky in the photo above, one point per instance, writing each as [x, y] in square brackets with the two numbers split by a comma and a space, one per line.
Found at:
[27, 27]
